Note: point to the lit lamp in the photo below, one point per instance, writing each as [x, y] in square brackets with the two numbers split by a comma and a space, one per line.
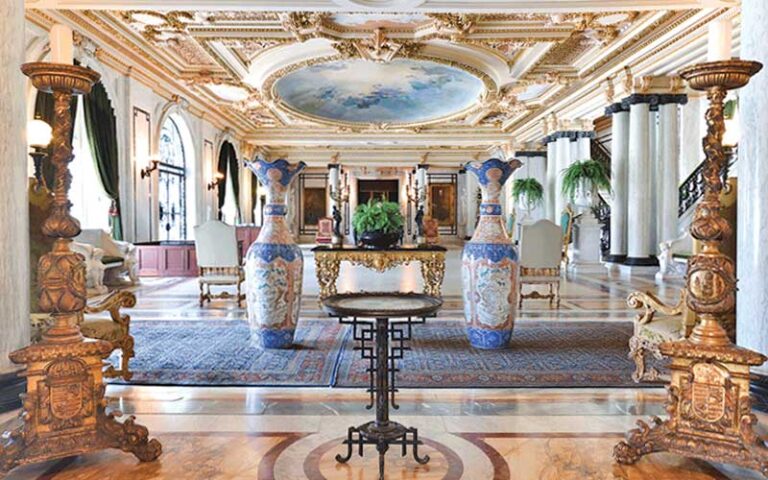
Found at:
[39, 135]
[217, 180]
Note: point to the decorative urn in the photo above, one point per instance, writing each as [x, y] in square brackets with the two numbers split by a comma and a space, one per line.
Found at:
[489, 263]
[274, 263]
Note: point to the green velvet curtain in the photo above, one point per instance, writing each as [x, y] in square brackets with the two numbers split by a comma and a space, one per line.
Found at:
[44, 111]
[102, 137]
[228, 157]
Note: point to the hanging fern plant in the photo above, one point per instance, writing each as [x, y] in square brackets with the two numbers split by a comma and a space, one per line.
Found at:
[589, 174]
[530, 189]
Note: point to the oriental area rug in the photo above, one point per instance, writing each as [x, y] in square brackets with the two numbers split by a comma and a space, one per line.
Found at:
[541, 354]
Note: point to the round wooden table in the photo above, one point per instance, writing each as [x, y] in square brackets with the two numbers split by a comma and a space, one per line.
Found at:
[370, 315]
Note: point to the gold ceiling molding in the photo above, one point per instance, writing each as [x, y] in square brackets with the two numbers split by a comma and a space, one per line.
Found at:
[378, 48]
[659, 28]
[158, 76]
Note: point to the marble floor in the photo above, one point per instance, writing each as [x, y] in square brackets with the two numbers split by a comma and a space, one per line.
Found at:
[472, 434]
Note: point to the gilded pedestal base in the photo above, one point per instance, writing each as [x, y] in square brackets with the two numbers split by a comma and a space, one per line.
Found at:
[709, 410]
[64, 408]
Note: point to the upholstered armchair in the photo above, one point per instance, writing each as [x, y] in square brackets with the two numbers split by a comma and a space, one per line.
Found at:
[566, 224]
[102, 320]
[673, 257]
[94, 267]
[118, 259]
[540, 256]
[218, 260]
[655, 324]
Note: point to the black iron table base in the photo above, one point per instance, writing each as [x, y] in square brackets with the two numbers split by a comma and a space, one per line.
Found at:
[373, 341]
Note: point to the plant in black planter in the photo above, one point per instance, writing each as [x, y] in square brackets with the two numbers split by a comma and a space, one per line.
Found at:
[378, 224]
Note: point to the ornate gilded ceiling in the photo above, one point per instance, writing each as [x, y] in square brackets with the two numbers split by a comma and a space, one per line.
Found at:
[261, 64]
[272, 76]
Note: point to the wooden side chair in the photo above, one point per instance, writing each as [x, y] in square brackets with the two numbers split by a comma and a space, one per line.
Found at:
[218, 260]
[115, 328]
[566, 223]
[540, 257]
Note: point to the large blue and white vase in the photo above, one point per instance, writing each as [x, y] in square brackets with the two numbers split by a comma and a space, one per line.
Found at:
[274, 264]
[489, 262]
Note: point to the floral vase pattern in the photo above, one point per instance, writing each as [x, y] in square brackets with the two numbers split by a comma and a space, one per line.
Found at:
[489, 263]
[274, 264]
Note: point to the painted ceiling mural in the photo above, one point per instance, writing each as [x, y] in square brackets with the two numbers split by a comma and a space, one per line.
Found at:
[364, 71]
[402, 91]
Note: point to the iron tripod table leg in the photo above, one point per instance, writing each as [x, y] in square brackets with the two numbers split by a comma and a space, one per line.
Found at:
[382, 432]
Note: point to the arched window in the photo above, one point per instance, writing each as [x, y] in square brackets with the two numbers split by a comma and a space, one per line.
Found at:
[172, 178]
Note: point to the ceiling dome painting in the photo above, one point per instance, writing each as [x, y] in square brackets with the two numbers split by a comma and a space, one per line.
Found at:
[403, 91]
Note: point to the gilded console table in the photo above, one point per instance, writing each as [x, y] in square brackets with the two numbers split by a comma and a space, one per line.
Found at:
[328, 260]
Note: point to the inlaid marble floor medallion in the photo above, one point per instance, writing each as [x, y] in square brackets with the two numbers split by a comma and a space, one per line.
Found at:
[451, 458]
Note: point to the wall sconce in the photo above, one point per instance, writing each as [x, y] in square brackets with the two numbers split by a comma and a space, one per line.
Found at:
[217, 180]
[147, 171]
[39, 135]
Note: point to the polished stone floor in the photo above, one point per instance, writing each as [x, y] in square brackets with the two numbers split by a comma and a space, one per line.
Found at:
[293, 434]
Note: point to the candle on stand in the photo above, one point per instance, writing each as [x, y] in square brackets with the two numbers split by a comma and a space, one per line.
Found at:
[60, 39]
[720, 40]
[333, 177]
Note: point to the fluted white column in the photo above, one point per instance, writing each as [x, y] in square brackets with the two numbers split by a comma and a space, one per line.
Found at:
[472, 204]
[639, 189]
[619, 172]
[461, 214]
[14, 219]
[583, 146]
[669, 150]
[752, 297]
[563, 156]
[653, 153]
[551, 181]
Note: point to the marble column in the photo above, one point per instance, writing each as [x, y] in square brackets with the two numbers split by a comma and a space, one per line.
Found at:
[551, 179]
[639, 190]
[667, 178]
[14, 217]
[653, 154]
[584, 145]
[461, 214]
[472, 204]
[563, 159]
[619, 171]
[752, 253]
[422, 184]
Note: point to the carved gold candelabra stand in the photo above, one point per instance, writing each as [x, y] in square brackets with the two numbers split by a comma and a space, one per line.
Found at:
[340, 197]
[64, 409]
[708, 397]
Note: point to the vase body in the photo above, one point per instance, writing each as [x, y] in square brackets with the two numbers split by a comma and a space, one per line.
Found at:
[274, 264]
[489, 263]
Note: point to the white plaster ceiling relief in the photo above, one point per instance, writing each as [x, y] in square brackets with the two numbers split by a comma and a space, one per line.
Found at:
[229, 93]
[379, 5]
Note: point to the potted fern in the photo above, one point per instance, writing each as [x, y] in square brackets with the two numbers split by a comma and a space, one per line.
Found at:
[528, 193]
[378, 224]
[585, 177]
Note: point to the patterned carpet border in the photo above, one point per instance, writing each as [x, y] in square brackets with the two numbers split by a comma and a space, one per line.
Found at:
[219, 353]
[541, 354]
